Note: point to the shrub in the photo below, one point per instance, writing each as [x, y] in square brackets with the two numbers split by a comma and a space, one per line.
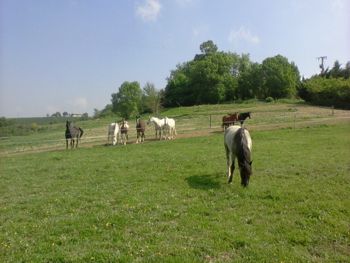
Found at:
[326, 92]
[269, 99]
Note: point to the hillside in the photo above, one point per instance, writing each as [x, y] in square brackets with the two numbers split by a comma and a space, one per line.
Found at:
[190, 121]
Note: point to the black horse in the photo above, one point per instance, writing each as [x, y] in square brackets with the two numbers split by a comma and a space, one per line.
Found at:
[242, 116]
[73, 133]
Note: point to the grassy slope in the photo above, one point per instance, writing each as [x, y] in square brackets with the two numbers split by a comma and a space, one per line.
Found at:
[188, 120]
[169, 201]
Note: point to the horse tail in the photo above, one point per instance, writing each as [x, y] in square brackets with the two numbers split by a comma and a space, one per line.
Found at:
[81, 132]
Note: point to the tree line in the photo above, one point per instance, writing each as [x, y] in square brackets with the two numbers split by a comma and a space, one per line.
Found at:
[329, 88]
[214, 76]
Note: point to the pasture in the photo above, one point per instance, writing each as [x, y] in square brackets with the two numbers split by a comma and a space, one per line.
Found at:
[168, 201]
[200, 120]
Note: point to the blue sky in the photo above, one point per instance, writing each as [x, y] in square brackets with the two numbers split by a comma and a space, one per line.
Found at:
[71, 55]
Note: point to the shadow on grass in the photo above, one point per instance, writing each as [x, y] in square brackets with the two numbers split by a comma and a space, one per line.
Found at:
[204, 182]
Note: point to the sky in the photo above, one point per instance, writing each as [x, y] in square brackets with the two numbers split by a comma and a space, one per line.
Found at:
[71, 55]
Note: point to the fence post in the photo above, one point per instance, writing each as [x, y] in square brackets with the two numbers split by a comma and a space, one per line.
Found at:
[210, 121]
[295, 117]
[332, 110]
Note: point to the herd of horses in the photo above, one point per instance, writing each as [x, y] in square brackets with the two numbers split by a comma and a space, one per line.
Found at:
[230, 119]
[237, 140]
[118, 132]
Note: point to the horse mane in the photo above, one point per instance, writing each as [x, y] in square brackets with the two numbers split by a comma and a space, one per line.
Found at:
[243, 152]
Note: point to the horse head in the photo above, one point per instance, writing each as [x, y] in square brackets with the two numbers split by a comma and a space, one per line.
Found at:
[245, 171]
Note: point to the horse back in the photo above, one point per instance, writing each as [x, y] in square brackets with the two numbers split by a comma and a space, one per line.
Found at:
[236, 138]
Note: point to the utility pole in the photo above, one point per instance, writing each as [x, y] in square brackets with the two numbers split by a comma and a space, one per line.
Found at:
[322, 58]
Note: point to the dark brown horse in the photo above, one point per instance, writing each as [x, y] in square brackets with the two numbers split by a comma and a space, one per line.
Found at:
[73, 133]
[124, 128]
[242, 116]
[140, 130]
[229, 120]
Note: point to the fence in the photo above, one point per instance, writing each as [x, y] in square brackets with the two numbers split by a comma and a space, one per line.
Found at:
[186, 126]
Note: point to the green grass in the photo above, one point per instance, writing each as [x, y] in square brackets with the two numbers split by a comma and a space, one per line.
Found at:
[169, 201]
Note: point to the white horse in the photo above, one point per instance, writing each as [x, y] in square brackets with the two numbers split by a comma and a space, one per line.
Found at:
[158, 125]
[124, 128]
[238, 143]
[169, 128]
[113, 133]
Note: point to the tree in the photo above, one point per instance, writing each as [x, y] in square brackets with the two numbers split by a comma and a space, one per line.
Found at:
[150, 99]
[127, 101]
[211, 77]
[208, 47]
[249, 83]
[56, 114]
[347, 70]
[326, 91]
[336, 71]
[280, 78]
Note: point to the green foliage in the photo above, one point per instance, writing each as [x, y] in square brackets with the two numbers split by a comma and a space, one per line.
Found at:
[151, 99]
[337, 71]
[280, 78]
[209, 78]
[326, 91]
[208, 47]
[269, 99]
[127, 101]
[215, 77]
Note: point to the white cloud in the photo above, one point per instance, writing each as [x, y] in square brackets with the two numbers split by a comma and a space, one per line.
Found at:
[149, 10]
[243, 34]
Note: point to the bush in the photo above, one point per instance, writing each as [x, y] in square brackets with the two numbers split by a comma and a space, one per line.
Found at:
[269, 99]
[326, 92]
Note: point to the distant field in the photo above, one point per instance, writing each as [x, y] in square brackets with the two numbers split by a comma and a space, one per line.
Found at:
[190, 121]
[168, 201]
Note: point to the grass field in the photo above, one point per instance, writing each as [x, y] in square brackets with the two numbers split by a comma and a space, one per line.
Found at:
[168, 201]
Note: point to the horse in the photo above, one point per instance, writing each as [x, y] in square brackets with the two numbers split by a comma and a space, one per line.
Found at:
[229, 120]
[73, 133]
[169, 128]
[238, 143]
[158, 126]
[113, 133]
[140, 130]
[242, 116]
[124, 127]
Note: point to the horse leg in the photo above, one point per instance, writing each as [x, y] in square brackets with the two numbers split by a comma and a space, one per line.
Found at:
[229, 163]
[76, 146]
[232, 169]
[66, 144]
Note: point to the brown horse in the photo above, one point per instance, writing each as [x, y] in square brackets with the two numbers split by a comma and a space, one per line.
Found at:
[140, 130]
[228, 120]
[124, 128]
